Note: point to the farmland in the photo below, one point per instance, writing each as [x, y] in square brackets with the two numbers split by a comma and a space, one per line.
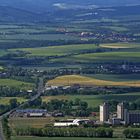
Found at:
[15, 83]
[30, 122]
[121, 45]
[82, 80]
[95, 100]
[5, 100]
[1, 68]
[106, 57]
[59, 138]
[96, 48]
[57, 50]
[116, 77]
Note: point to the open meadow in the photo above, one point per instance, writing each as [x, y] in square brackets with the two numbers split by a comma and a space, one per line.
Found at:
[15, 83]
[56, 50]
[95, 100]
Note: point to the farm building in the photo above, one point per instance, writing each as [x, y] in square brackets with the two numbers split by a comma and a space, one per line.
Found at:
[32, 112]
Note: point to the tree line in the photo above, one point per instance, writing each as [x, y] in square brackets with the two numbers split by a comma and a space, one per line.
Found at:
[65, 132]
[132, 133]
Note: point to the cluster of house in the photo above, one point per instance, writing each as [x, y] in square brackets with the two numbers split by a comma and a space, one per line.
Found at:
[124, 116]
[53, 87]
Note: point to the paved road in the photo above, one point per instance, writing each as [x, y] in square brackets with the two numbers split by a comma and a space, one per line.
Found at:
[40, 90]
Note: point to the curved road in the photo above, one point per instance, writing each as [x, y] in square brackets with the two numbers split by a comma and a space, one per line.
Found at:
[40, 90]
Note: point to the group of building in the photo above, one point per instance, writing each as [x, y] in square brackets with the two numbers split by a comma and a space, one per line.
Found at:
[124, 116]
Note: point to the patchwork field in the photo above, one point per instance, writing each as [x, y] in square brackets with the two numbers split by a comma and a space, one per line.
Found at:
[15, 83]
[85, 81]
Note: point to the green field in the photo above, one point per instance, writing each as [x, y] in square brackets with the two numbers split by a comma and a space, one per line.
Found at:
[15, 83]
[1, 68]
[116, 77]
[93, 101]
[65, 138]
[30, 122]
[2, 52]
[106, 57]
[5, 100]
[56, 50]
[31, 32]
[116, 28]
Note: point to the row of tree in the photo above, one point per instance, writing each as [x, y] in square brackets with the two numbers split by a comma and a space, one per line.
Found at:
[13, 103]
[6, 129]
[132, 133]
[65, 132]
[67, 107]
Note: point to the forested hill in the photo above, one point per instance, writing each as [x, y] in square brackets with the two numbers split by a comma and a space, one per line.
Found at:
[10, 14]
[45, 5]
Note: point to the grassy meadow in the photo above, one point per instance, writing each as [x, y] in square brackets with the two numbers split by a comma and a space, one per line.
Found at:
[92, 100]
[30, 122]
[95, 100]
[56, 50]
[104, 57]
[15, 83]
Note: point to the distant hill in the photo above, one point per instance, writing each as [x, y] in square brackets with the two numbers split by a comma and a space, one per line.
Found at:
[10, 14]
[45, 5]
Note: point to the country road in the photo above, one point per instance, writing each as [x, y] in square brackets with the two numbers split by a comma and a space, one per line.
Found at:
[40, 90]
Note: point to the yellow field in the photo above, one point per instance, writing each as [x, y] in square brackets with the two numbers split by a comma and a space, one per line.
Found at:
[82, 80]
[121, 45]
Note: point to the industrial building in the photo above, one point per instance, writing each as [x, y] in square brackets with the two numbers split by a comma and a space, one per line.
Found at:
[31, 112]
[120, 111]
[104, 112]
[133, 117]
[124, 116]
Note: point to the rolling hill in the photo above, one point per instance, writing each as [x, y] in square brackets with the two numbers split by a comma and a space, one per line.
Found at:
[45, 5]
